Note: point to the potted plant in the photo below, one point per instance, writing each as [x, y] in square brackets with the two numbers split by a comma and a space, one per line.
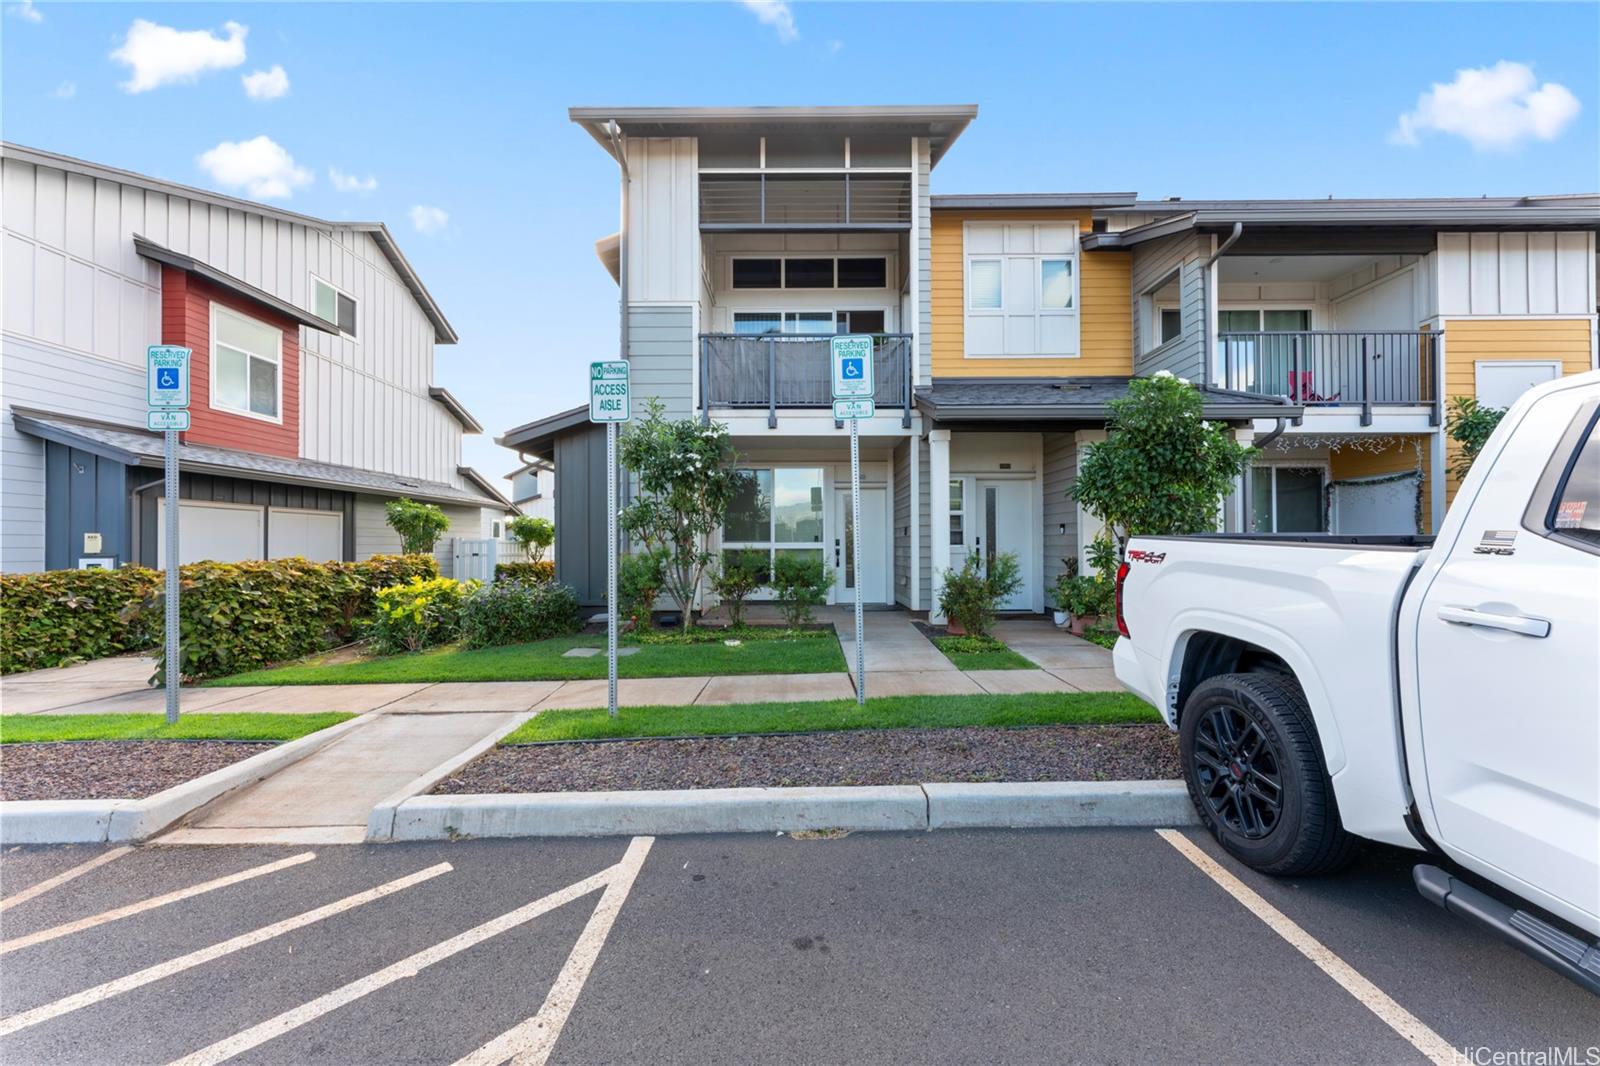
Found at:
[1061, 612]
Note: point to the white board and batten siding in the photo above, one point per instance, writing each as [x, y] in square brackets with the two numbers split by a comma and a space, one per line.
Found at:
[665, 271]
[1516, 274]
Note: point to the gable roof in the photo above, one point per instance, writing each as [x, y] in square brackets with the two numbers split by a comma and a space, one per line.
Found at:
[444, 333]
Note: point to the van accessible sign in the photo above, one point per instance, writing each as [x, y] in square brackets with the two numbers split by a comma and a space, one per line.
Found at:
[608, 391]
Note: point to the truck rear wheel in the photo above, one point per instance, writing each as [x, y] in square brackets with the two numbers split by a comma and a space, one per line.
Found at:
[1256, 775]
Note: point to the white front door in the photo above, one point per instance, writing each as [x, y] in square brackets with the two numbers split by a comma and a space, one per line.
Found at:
[872, 569]
[1005, 524]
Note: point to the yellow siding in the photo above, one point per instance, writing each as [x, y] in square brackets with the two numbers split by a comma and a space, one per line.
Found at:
[1400, 458]
[1105, 316]
[1471, 340]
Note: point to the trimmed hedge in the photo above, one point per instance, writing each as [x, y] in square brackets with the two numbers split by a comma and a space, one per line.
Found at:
[233, 616]
[543, 570]
[518, 612]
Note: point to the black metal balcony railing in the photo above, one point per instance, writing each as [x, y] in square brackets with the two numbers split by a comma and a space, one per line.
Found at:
[794, 370]
[802, 201]
[1337, 368]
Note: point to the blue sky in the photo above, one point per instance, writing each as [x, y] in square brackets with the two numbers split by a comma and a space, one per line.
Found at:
[460, 110]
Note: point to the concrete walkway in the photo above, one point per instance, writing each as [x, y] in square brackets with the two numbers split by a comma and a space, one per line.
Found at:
[900, 660]
[1085, 667]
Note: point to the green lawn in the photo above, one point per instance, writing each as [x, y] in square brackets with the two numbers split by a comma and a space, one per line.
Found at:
[33, 728]
[543, 661]
[889, 712]
[981, 653]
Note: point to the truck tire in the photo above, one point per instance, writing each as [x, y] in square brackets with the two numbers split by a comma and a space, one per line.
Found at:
[1255, 772]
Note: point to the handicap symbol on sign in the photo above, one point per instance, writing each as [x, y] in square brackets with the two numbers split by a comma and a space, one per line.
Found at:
[167, 377]
[851, 368]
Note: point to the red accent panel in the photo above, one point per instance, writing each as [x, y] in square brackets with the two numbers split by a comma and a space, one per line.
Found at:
[186, 319]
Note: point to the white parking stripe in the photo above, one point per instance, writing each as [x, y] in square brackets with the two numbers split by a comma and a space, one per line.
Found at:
[62, 878]
[154, 973]
[152, 903]
[410, 966]
[530, 1043]
[1369, 995]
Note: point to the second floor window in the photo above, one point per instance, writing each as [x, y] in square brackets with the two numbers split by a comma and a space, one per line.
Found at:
[1022, 289]
[334, 306]
[246, 365]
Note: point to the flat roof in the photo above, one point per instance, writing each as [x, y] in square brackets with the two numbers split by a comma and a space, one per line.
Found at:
[1029, 200]
[940, 123]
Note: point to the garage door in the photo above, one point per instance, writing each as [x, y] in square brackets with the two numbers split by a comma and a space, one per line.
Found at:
[314, 535]
[222, 533]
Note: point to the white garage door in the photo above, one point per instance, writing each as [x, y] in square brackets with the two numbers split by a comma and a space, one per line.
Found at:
[314, 535]
[219, 532]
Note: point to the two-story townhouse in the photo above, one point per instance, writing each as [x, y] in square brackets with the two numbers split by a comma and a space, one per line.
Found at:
[1006, 324]
[313, 402]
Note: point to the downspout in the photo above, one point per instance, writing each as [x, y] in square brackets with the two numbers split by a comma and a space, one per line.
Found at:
[1205, 283]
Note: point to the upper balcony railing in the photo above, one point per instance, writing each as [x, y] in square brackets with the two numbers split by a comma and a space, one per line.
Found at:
[1338, 368]
[876, 201]
[794, 371]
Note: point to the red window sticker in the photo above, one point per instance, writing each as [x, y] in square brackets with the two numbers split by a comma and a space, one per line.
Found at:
[1569, 515]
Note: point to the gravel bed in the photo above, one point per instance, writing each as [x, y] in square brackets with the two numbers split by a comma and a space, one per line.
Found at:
[862, 757]
[111, 769]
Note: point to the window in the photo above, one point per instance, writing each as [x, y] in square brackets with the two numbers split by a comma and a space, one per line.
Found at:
[761, 323]
[863, 273]
[1171, 324]
[861, 322]
[1288, 499]
[958, 513]
[1275, 320]
[808, 274]
[334, 306]
[1022, 289]
[775, 511]
[758, 273]
[245, 362]
[858, 272]
[1576, 511]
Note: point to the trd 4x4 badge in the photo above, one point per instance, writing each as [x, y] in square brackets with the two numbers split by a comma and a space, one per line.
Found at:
[1139, 555]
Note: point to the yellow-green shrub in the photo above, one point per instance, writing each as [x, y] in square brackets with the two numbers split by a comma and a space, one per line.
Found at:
[541, 571]
[417, 615]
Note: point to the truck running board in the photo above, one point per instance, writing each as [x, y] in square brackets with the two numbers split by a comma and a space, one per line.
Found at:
[1562, 952]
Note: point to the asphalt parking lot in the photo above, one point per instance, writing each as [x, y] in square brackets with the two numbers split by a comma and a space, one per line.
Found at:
[1058, 946]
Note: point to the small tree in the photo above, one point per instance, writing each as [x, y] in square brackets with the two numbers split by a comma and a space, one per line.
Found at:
[1164, 469]
[1469, 425]
[734, 583]
[420, 525]
[685, 478]
[533, 535]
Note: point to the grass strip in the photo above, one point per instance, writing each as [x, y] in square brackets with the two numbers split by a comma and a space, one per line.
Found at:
[981, 653]
[544, 661]
[889, 712]
[39, 728]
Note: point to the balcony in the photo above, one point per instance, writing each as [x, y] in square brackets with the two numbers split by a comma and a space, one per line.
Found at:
[776, 201]
[1338, 368]
[794, 371]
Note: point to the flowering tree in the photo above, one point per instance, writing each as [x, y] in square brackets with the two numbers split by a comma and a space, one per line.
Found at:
[1163, 468]
[685, 478]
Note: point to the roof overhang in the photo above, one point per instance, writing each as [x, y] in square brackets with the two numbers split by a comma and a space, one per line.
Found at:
[488, 488]
[608, 250]
[1030, 201]
[538, 438]
[443, 331]
[453, 405]
[228, 283]
[941, 124]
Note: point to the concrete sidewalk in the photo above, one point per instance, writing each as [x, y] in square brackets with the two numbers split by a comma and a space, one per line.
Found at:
[1085, 667]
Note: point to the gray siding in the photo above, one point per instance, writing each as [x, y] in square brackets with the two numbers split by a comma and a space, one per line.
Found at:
[1152, 263]
[924, 506]
[661, 345]
[1060, 511]
[902, 524]
[924, 254]
[580, 505]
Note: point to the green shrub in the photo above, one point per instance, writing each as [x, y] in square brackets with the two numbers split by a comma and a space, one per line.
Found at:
[418, 615]
[639, 578]
[535, 535]
[60, 617]
[969, 645]
[420, 525]
[517, 612]
[734, 583]
[543, 570]
[972, 597]
[1469, 425]
[799, 583]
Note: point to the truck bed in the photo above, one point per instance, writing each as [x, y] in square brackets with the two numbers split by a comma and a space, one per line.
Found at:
[1394, 541]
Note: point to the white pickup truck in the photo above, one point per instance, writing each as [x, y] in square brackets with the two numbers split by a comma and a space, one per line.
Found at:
[1441, 694]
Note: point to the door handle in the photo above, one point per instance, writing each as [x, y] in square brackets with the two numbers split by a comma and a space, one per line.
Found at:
[1514, 623]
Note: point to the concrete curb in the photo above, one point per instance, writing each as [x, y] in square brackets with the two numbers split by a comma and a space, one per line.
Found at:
[765, 810]
[121, 820]
[380, 823]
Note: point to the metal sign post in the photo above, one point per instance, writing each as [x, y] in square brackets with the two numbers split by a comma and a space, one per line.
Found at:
[852, 401]
[167, 370]
[609, 404]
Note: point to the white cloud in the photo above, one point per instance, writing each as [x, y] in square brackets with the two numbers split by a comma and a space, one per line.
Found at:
[66, 90]
[428, 219]
[259, 166]
[350, 183]
[265, 84]
[777, 14]
[161, 55]
[1495, 109]
[26, 11]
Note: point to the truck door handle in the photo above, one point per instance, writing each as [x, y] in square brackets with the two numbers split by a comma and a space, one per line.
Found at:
[1515, 623]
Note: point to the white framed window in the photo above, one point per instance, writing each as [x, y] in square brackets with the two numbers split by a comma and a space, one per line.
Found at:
[808, 272]
[333, 304]
[776, 510]
[1289, 497]
[958, 512]
[1022, 289]
[1169, 324]
[246, 365]
[852, 320]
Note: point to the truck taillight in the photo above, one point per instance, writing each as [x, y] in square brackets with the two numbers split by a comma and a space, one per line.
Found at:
[1122, 579]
